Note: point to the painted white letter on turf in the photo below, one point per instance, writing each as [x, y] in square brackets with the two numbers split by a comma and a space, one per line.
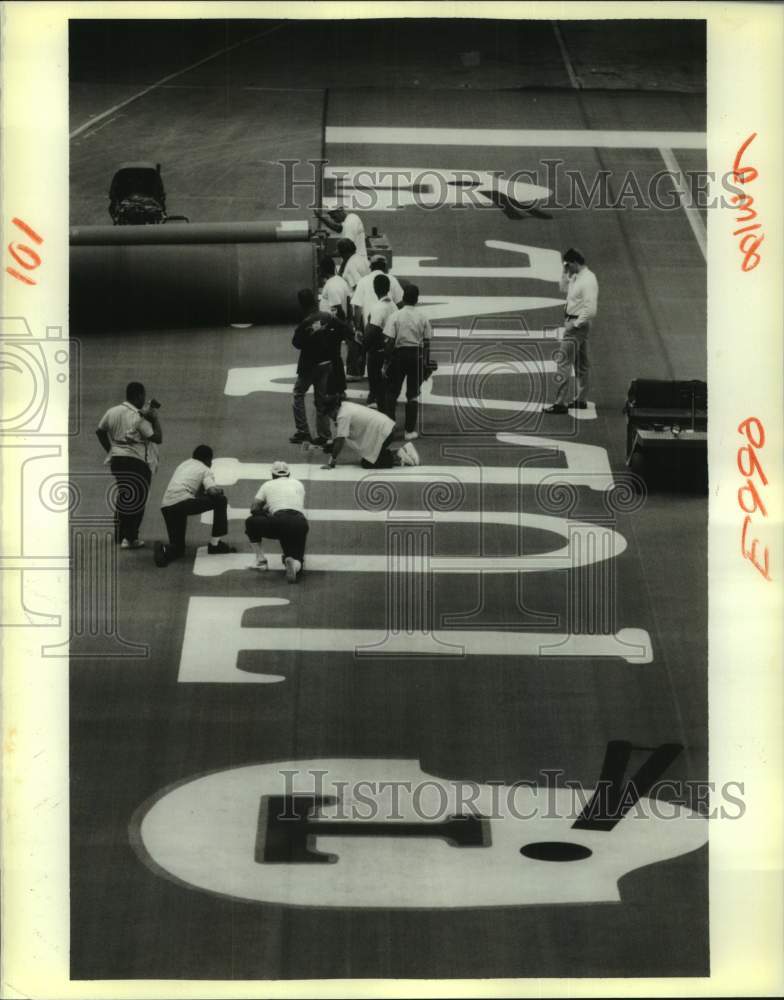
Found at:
[214, 637]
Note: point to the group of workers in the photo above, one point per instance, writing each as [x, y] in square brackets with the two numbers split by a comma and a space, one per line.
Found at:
[366, 309]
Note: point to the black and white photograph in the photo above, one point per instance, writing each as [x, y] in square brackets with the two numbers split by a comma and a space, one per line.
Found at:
[384, 476]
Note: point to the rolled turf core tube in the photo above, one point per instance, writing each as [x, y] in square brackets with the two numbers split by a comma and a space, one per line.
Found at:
[244, 273]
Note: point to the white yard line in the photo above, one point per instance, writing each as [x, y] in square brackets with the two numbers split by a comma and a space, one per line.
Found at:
[573, 78]
[172, 76]
[577, 138]
[693, 216]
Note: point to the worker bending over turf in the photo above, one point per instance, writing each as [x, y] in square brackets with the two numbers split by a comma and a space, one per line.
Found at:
[369, 432]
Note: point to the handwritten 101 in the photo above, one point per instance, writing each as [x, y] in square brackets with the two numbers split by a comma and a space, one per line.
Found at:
[25, 256]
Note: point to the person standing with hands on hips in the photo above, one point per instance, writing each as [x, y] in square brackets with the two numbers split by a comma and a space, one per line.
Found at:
[130, 434]
[582, 299]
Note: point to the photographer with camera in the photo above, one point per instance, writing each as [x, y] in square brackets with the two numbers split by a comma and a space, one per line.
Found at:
[130, 434]
[192, 490]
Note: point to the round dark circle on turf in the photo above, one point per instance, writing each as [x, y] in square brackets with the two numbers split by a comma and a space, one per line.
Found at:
[553, 850]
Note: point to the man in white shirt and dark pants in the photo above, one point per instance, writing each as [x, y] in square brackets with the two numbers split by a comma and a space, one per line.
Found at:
[353, 268]
[582, 299]
[129, 434]
[378, 314]
[192, 490]
[408, 333]
[278, 511]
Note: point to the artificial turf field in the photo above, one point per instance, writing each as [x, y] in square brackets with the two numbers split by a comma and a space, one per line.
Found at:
[501, 708]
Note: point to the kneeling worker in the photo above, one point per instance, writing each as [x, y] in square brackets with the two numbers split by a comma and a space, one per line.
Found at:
[192, 490]
[369, 432]
[278, 511]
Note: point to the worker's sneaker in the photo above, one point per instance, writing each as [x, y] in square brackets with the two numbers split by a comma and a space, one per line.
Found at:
[299, 437]
[160, 554]
[293, 566]
[319, 441]
[137, 543]
[220, 549]
[577, 404]
[260, 565]
[408, 455]
[411, 435]
[371, 403]
[555, 408]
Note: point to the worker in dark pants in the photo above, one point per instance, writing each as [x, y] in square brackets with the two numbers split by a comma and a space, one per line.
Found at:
[130, 434]
[408, 334]
[278, 511]
[318, 339]
[192, 490]
[353, 267]
[379, 313]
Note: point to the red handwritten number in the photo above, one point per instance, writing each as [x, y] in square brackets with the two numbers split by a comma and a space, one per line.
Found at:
[749, 499]
[744, 175]
[751, 242]
[24, 255]
[744, 427]
[754, 465]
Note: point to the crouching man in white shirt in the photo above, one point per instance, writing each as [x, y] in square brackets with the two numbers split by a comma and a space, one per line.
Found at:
[192, 490]
[370, 433]
[278, 511]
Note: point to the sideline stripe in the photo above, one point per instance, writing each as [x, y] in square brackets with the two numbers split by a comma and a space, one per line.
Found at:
[584, 138]
[687, 202]
[573, 78]
[171, 76]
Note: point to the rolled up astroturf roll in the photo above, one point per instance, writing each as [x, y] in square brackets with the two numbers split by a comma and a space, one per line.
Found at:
[174, 284]
[266, 231]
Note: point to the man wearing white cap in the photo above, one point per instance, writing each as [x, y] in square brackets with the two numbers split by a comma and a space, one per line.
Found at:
[278, 511]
